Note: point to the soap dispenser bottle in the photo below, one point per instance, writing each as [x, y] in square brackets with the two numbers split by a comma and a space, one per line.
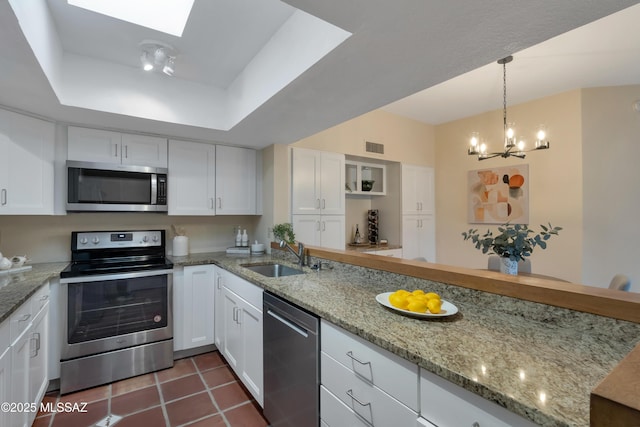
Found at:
[245, 238]
[239, 238]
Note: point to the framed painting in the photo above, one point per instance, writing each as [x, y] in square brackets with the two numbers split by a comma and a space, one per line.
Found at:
[499, 195]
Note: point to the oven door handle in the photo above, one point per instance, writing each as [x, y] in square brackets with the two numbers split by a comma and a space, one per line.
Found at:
[119, 276]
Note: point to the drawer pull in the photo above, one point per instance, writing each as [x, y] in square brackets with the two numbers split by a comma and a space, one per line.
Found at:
[350, 354]
[475, 424]
[44, 297]
[364, 405]
[24, 318]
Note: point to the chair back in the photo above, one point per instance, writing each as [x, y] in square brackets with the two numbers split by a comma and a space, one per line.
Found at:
[620, 282]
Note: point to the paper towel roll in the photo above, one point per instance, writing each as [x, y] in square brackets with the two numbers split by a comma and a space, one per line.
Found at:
[180, 246]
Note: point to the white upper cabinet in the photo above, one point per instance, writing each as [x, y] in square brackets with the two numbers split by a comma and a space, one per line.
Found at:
[27, 147]
[192, 178]
[418, 195]
[317, 182]
[320, 230]
[100, 146]
[235, 181]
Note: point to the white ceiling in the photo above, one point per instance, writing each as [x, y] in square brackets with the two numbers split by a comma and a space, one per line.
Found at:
[397, 48]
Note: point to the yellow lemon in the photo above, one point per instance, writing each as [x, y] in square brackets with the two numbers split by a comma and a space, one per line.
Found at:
[398, 300]
[417, 305]
[432, 295]
[418, 292]
[434, 305]
[402, 292]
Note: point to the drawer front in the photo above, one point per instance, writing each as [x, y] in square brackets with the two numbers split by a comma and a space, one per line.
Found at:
[334, 413]
[248, 291]
[448, 405]
[20, 320]
[39, 299]
[393, 374]
[368, 402]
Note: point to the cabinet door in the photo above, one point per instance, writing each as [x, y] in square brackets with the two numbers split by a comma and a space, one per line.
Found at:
[305, 181]
[235, 181]
[26, 165]
[191, 178]
[427, 234]
[332, 232]
[418, 195]
[143, 150]
[332, 176]
[198, 306]
[93, 145]
[251, 372]
[20, 354]
[307, 229]
[219, 276]
[39, 355]
[232, 335]
[418, 237]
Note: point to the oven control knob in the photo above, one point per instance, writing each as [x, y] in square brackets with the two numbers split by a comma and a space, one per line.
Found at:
[145, 239]
[84, 240]
[95, 240]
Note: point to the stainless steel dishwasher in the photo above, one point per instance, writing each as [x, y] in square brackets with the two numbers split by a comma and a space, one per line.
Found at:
[291, 364]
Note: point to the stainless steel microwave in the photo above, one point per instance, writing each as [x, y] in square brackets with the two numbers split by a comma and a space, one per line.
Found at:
[105, 187]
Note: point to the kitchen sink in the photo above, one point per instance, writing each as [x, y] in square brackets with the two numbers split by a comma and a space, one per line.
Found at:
[272, 269]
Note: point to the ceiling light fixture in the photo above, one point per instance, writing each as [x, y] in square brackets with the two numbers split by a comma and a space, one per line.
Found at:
[158, 56]
[512, 147]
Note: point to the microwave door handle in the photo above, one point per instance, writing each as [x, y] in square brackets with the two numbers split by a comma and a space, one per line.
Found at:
[154, 189]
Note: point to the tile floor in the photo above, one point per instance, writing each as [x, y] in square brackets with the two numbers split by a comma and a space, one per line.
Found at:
[200, 391]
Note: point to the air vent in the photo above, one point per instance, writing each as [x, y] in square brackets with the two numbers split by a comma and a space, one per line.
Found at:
[372, 147]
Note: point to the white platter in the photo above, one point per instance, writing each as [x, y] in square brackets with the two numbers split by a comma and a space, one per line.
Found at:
[447, 308]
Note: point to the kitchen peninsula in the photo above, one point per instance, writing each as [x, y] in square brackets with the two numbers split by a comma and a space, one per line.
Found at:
[538, 361]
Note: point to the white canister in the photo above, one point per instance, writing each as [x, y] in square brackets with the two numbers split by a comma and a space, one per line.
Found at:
[180, 246]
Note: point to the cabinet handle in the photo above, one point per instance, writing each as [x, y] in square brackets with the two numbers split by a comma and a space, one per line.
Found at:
[364, 405]
[218, 282]
[24, 318]
[219, 202]
[211, 202]
[235, 314]
[324, 226]
[352, 357]
[317, 203]
[318, 225]
[475, 424]
[44, 297]
[126, 151]
[3, 197]
[116, 146]
[34, 344]
[324, 204]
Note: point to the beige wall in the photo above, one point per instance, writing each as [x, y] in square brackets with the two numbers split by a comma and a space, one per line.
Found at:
[555, 178]
[611, 149]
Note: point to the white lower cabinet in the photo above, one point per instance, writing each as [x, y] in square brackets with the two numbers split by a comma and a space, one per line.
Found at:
[363, 384]
[193, 302]
[418, 237]
[241, 340]
[23, 359]
[448, 405]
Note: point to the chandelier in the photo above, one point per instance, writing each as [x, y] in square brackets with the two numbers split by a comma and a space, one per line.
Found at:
[512, 147]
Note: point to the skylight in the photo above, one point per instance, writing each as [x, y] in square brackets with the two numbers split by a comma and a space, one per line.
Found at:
[168, 16]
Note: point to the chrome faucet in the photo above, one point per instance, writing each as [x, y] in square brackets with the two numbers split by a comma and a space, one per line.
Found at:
[299, 254]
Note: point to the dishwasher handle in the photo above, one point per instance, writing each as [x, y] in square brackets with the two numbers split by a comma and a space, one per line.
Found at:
[288, 323]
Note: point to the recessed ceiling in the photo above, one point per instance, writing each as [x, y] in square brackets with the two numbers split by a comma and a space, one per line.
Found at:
[258, 72]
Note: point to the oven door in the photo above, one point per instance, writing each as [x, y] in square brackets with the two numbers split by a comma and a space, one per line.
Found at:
[109, 312]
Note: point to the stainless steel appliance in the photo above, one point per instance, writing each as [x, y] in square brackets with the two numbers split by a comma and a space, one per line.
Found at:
[113, 187]
[116, 305]
[291, 364]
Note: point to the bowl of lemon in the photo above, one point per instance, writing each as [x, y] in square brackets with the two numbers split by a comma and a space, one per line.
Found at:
[417, 303]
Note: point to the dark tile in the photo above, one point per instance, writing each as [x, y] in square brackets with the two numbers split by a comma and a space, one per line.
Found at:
[180, 369]
[208, 360]
[247, 415]
[151, 417]
[229, 395]
[48, 399]
[89, 395]
[218, 376]
[94, 412]
[190, 408]
[181, 387]
[135, 401]
[213, 421]
[42, 421]
[131, 384]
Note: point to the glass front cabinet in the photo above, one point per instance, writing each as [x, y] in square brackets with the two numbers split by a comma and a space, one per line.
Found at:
[367, 179]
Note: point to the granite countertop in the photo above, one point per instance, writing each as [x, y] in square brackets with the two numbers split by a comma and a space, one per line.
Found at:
[538, 361]
[16, 288]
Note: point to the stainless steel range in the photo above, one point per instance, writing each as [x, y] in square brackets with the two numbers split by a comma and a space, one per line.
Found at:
[116, 308]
